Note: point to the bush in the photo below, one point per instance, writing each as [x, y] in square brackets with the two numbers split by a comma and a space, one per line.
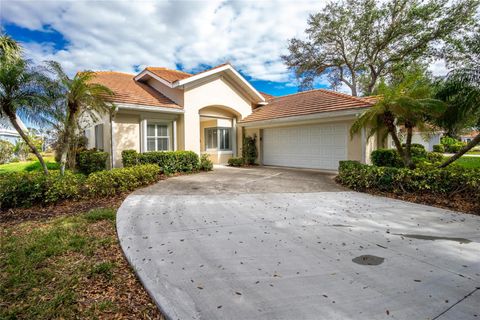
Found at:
[440, 148]
[23, 189]
[91, 161]
[454, 148]
[205, 163]
[111, 182]
[249, 150]
[386, 158]
[445, 182]
[418, 151]
[434, 157]
[129, 158]
[6, 151]
[171, 161]
[235, 162]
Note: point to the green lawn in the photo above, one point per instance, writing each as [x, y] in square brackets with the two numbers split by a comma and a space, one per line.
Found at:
[469, 162]
[68, 268]
[28, 166]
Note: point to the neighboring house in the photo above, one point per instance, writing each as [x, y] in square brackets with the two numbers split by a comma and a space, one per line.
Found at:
[209, 112]
[428, 140]
[8, 133]
[469, 136]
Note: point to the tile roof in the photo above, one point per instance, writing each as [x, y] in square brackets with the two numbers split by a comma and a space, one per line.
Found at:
[371, 99]
[168, 74]
[266, 96]
[305, 103]
[127, 90]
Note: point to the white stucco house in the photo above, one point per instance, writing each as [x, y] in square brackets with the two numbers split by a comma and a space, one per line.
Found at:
[209, 112]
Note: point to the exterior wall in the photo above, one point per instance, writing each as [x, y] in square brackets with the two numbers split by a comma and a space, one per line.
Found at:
[427, 141]
[126, 135]
[218, 92]
[174, 94]
[354, 144]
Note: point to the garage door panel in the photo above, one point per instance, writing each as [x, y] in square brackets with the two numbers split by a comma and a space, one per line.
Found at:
[319, 146]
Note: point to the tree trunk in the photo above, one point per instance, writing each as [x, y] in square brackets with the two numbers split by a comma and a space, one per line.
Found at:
[462, 151]
[408, 148]
[13, 119]
[66, 142]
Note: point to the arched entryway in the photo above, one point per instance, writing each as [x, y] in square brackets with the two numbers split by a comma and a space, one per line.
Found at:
[219, 137]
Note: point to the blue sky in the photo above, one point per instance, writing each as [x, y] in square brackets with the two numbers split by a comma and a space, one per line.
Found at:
[188, 35]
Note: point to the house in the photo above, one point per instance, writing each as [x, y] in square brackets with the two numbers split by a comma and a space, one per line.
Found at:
[427, 139]
[209, 112]
[8, 133]
[467, 137]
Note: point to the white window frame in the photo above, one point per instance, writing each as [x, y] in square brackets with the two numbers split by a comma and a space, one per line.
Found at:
[230, 132]
[157, 136]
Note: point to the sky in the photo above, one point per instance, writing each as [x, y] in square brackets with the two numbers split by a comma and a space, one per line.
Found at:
[187, 35]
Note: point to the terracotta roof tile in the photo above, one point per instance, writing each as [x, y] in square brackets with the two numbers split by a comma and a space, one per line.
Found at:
[371, 99]
[168, 74]
[127, 90]
[305, 103]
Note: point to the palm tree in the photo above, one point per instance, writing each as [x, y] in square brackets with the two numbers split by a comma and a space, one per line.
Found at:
[462, 91]
[406, 104]
[73, 98]
[20, 90]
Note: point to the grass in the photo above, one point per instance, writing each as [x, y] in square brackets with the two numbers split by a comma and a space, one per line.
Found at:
[28, 165]
[468, 162]
[68, 267]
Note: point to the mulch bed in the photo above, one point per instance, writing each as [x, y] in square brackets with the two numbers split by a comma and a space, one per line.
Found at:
[457, 203]
[65, 208]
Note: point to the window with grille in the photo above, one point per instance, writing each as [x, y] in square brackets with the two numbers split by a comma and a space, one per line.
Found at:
[157, 137]
[218, 138]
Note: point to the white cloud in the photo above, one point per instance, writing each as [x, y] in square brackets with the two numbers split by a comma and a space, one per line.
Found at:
[118, 35]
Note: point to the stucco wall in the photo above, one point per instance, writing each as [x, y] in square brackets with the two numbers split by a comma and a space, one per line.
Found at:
[218, 92]
[174, 94]
[126, 133]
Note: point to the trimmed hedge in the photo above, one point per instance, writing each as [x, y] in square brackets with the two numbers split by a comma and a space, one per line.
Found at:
[235, 162]
[169, 161]
[205, 163]
[386, 158]
[89, 161]
[23, 189]
[446, 182]
[440, 148]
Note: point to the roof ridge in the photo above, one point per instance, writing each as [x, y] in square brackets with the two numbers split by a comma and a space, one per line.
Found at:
[168, 69]
[296, 93]
[111, 71]
[341, 94]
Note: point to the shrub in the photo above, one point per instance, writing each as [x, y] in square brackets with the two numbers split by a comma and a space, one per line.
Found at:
[91, 161]
[448, 141]
[6, 151]
[386, 158]
[440, 148]
[249, 150]
[115, 181]
[235, 162]
[205, 163]
[454, 148]
[171, 161]
[434, 157]
[129, 158]
[23, 189]
[418, 151]
[442, 182]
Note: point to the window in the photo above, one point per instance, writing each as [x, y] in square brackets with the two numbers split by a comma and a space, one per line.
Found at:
[218, 138]
[157, 137]
[99, 137]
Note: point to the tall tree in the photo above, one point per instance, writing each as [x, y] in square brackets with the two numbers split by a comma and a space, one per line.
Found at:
[357, 42]
[21, 90]
[406, 104]
[73, 97]
[461, 90]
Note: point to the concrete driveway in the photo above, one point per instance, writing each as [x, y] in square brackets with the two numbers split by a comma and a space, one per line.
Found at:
[268, 243]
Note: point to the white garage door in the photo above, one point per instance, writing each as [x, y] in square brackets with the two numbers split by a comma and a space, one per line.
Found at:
[319, 146]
